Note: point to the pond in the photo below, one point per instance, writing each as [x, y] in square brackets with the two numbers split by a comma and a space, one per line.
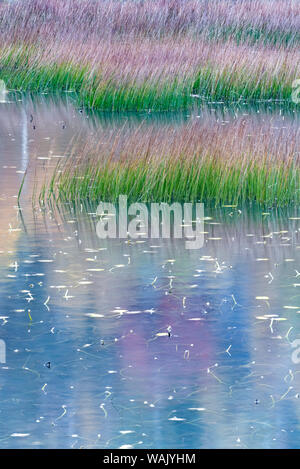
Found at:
[141, 343]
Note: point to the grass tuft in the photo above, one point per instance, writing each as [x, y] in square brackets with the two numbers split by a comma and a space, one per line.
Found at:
[218, 164]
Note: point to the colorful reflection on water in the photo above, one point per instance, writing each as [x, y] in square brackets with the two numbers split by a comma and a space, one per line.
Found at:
[142, 344]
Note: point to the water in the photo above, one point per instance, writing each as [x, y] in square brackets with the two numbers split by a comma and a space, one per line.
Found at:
[89, 361]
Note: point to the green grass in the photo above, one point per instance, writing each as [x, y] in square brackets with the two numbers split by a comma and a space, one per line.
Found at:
[229, 85]
[248, 34]
[97, 92]
[163, 56]
[136, 55]
[20, 71]
[207, 180]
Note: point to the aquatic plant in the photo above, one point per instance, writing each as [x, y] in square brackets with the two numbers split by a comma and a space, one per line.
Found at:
[204, 180]
[227, 163]
[274, 22]
[156, 55]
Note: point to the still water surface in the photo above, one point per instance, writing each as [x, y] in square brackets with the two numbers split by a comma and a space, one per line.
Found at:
[89, 362]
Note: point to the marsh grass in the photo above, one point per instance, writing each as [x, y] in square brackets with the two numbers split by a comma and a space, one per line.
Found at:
[205, 180]
[221, 164]
[157, 55]
[163, 55]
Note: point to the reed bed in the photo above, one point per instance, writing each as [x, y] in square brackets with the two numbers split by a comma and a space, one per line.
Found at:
[154, 55]
[224, 163]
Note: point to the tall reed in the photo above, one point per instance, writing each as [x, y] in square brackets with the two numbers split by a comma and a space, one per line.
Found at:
[157, 55]
[232, 163]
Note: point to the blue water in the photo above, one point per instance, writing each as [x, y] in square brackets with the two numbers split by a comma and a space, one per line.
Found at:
[89, 362]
